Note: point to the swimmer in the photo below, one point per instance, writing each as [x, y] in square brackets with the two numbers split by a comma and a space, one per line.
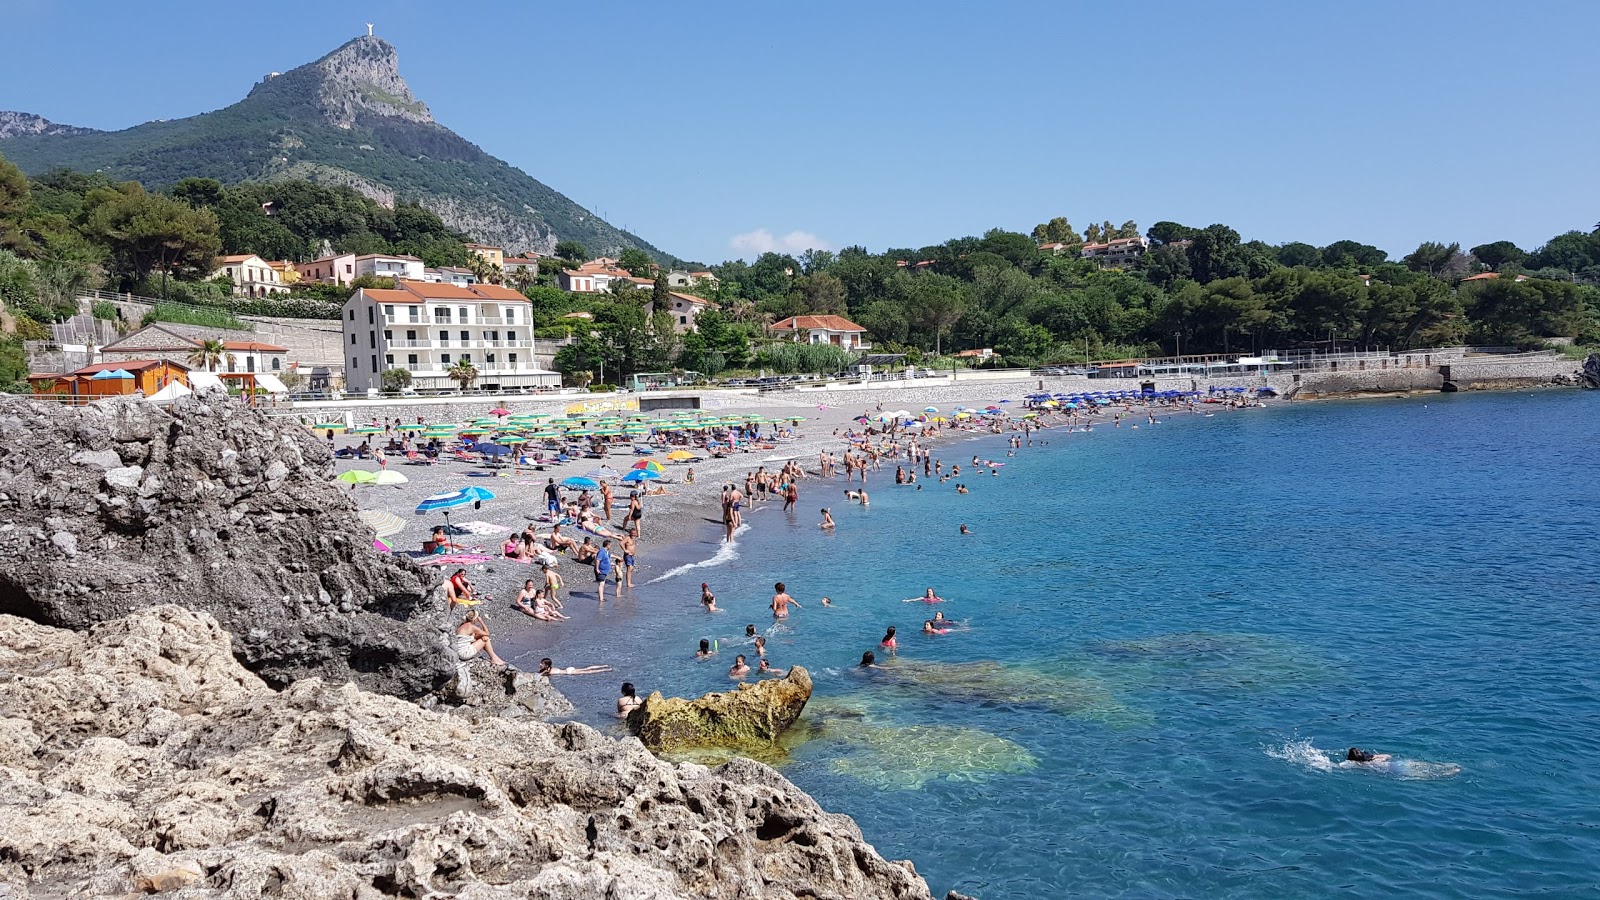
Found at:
[740, 668]
[767, 669]
[827, 521]
[939, 621]
[928, 628]
[826, 601]
[761, 646]
[749, 631]
[929, 597]
[869, 661]
[961, 489]
[708, 599]
[628, 702]
[1358, 755]
[705, 651]
[548, 668]
[889, 643]
[965, 529]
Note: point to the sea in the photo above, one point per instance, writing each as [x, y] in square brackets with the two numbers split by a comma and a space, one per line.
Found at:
[1167, 638]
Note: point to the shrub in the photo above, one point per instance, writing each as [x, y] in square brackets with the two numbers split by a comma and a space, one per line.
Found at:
[601, 388]
[105, 309]
[193, 315]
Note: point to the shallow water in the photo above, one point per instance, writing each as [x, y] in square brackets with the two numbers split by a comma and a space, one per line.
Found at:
[1171, 635]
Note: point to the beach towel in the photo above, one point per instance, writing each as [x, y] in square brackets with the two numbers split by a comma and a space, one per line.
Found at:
[483, 528]
[459, 559]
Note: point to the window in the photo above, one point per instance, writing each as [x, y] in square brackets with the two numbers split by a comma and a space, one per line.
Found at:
[388, 311]
[388, 359]
[352, 337]
[250, 363]
[353, 366]
[347, 268]
[513, 359]
[465, 338]
[683, 320]
[411, 360]
[374, 363]
[387, 335]
[488, 359]
[511, 336]
[466, 358]
[444, 359]
[465, 315]
[511, 315]
[370, 316]
[372, 339]
[444, 338]
[412, 315]
[411, 335]
[441, 314]
[276, 363]
[352, 315]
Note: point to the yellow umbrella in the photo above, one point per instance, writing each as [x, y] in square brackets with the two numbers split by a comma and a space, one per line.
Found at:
[679, 455]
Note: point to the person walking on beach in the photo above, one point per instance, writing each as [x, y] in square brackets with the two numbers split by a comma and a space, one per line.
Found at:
[552, 497]
[602, 569]
[627, 544]
[781, 601]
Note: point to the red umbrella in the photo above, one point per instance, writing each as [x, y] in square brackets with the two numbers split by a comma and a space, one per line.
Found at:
[499, 411]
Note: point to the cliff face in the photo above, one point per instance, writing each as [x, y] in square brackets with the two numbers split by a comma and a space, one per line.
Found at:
[363, 78]
[139, 757]
[117, 506]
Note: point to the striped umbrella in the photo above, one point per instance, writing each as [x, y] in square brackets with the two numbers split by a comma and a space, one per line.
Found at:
[383, 523]
[649, 465]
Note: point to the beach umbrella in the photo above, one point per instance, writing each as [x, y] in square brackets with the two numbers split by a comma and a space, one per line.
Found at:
[467, 496]
[649, 464]
[388, 477]
[358, 476]
[367, 429]
[578, 482]
[328, 426]
[499, 411]
[546, 434]
[638, 475]
[495, 450]
[381, 545]
[580, 432]
[603, 473]
[382, 523]
[680, 456]
[930, 409]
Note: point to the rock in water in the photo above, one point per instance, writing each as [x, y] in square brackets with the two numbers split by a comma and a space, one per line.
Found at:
[752, 713]
[1591, 371]
[140, 756]
[120, 505]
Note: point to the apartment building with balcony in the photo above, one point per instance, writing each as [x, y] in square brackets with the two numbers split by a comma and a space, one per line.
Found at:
[1117, 252]
[428, 328]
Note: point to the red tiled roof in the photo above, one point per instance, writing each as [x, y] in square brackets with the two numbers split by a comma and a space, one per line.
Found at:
[389, 256]
[428, 291]
[1482, 277]
[496, 292]
[235, 258]
[256, 346]
[386, 295]
[831, 323]
[689, 298]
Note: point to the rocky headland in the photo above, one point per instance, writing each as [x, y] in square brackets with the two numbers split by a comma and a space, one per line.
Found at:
[207, 680]
[139, 756]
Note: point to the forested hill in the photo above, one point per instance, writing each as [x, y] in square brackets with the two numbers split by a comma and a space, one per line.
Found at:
[346, 119]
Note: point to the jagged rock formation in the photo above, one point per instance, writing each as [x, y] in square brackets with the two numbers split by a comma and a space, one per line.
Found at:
[18, 124]
[1591, 371]
[119, 505]
[348, 118]
[140, 757]
[752, 713]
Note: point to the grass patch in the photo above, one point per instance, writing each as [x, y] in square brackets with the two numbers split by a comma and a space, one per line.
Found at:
[190, 315]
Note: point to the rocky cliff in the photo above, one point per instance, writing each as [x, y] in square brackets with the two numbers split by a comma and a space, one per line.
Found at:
[119, 505]
[139, 757]
[1591, 371]
[17, 124]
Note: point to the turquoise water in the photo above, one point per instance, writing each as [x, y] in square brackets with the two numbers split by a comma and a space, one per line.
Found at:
[1168, 630]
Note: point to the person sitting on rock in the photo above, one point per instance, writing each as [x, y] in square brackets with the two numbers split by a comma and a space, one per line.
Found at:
[472, 638]
[459, 591]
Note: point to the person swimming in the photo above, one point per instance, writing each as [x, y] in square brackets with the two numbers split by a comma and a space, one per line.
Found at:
[965, 529]
[740, 668]
[928, 628]
[889, 643]
[705, 651]
[1358, 755]
[869, 660]
[929, 597]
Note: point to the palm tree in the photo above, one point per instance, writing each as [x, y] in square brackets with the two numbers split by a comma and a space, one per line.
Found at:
[463, 373]
[208, 355]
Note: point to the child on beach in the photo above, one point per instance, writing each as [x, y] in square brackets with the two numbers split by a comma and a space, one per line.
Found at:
[781, 601]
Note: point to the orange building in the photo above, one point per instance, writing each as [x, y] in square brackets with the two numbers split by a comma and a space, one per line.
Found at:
[124, 378]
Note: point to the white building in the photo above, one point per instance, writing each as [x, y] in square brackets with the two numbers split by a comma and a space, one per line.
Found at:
[428, 328]
[387, 265]
[1118, 252]
[449, 275]
[685, 309]
[835, 330]
[252, 276]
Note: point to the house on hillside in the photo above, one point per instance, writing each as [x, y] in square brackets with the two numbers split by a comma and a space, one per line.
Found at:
[338, 269]
[527, 263]
[1118, 252]
[1489, 276]
[252, 276]
[389, 265]
[489, 253]
[685, 309]
[426, 329]
[177, 343]
[449, 275]
[835, 330]
[1056, 248]
[598, 277]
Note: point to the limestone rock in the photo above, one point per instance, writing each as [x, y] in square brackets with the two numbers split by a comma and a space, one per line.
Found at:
[1591, 371]
[121, 505]
[756, 712]
[144, 758]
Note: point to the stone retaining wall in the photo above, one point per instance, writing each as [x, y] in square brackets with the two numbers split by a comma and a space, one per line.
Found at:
[1490, 374]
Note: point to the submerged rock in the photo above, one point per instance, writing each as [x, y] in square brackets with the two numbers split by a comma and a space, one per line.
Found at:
[120, 505]
[139, 756]
[905, 758]
[750, 714]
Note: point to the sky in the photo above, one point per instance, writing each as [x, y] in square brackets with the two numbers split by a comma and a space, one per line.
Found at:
[721, 130]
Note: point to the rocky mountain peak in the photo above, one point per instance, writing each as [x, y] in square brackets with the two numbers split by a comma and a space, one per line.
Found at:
[17, 124]
[362, 78]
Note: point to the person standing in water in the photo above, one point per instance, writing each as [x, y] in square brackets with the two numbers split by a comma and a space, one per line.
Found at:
[781, 601]
[889, 643]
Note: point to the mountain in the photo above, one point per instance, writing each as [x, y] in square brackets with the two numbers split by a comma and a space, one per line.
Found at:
[18, 124]
[348, 118]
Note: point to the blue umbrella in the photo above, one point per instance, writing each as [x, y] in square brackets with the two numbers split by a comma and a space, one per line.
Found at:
[453, 499]
[581, 483]
[638, 475]
[492, 449]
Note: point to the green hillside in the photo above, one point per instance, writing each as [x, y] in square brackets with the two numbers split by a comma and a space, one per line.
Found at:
[347, 119]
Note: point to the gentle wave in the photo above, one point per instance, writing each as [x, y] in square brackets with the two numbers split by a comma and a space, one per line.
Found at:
[725, 554]
[1303, 753]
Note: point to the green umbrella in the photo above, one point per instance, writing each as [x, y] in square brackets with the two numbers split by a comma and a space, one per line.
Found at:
[367, 429]
[358, 476]
[580, 432]
[328, 426]
[547, 433]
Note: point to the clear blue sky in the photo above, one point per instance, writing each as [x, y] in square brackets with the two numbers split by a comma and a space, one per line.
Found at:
[905, 124]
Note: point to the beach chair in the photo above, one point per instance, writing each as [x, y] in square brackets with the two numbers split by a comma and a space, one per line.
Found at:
[413, 458]
[461, 455]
